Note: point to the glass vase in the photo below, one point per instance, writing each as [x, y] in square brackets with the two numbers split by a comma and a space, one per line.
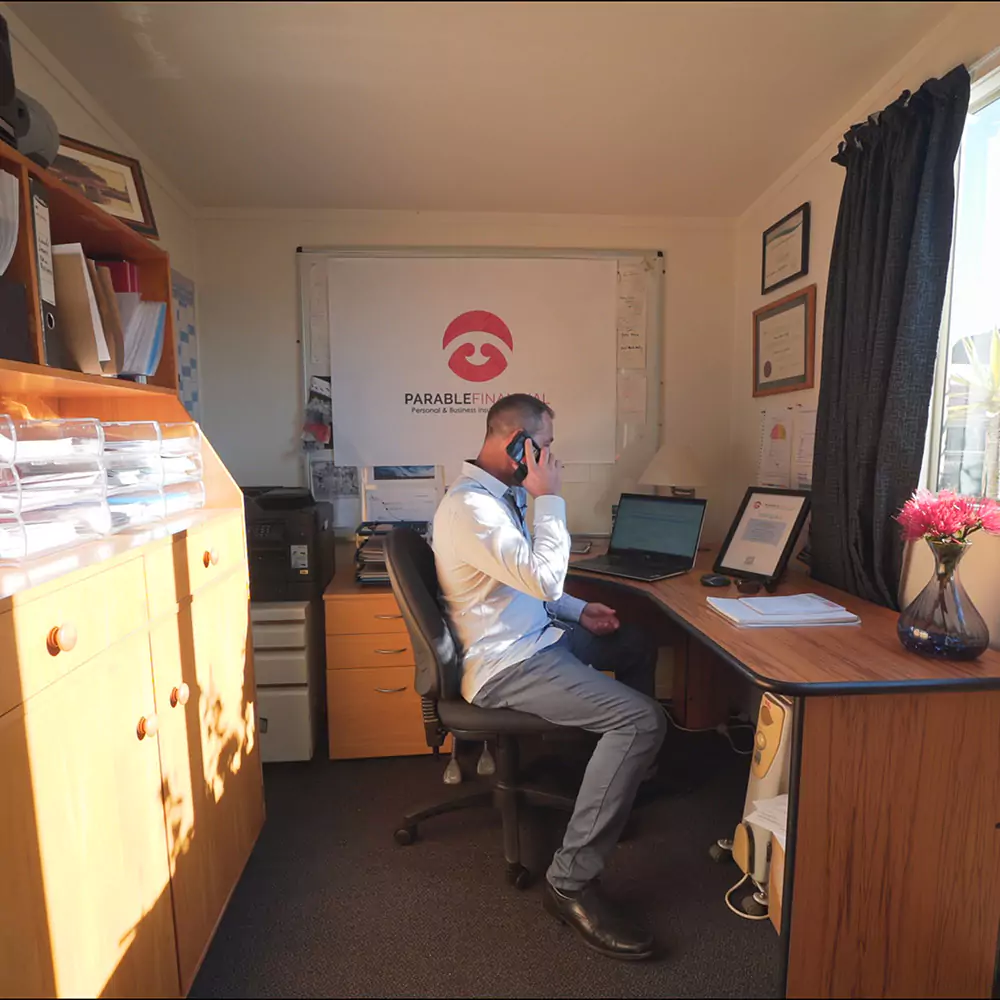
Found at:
[942, 621]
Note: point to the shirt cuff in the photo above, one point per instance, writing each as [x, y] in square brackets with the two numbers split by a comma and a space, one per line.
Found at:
[550, 507]
[568, 608]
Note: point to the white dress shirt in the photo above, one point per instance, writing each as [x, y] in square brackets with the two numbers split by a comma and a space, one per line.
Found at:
[501, 588]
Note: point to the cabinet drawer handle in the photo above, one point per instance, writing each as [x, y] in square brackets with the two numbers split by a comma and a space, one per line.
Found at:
[61, 639]
[180, 695]
[390, 690]
[390, 652]
[210, 558]
[388, 618]
[149, 726]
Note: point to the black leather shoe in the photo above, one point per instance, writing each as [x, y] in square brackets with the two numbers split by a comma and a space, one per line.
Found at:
[598, 921]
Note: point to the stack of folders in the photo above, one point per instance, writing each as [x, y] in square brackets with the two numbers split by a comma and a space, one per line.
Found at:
[104, 325]
[52, 486]
[797, 611]
[9, 202]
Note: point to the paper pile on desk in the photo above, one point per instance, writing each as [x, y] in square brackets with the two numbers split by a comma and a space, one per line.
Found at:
[791, 612]
[771, 815]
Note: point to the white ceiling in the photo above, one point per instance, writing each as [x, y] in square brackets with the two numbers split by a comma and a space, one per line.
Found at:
[618, 108]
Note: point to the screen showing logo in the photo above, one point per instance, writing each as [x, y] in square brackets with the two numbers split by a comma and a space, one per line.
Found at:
[462, 360]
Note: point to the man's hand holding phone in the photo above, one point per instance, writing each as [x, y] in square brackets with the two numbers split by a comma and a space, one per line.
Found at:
[544, 476]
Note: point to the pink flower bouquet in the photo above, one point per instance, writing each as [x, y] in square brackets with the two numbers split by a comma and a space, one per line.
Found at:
[947, 517]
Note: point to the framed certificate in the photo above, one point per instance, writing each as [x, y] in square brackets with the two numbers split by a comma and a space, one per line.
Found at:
[784, 344]
[763, 534]
[785, 250]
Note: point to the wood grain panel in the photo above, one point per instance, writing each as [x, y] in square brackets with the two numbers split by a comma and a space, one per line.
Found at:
[390, 649]
[374, 712]
[98, 610]
[790, 659]
[96, 796]
[897, 856]
[364, 614]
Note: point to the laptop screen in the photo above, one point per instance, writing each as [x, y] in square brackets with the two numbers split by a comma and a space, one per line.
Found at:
[669, 526]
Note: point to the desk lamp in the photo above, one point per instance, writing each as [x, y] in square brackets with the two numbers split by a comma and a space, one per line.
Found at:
[676, 466]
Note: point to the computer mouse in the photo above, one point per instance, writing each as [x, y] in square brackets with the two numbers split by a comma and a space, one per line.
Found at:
[715, 580]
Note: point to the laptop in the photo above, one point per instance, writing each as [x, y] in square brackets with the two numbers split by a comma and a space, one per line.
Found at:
[653, 538]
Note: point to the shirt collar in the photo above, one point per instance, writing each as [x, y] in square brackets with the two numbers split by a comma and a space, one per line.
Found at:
[491, 484]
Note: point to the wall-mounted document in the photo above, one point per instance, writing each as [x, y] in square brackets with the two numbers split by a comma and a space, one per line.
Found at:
[785, 457]
[632, 396]
[631, 316]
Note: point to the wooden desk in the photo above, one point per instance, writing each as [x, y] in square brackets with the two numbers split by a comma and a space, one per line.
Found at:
[892, 876]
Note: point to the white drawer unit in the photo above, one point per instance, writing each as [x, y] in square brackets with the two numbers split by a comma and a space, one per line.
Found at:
[287, 652]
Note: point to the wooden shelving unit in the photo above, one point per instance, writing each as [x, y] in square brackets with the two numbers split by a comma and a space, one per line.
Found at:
[97, 641]
[73, 219]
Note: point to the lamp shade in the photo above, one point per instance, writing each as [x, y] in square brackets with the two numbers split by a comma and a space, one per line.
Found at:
[674, 464]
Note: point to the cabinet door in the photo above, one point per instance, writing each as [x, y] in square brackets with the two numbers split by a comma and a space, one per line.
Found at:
[183, 684]
[213, 799]
[94, 888]
[222, 620]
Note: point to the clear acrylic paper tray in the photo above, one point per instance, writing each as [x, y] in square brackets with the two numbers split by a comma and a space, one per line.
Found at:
[150, 455]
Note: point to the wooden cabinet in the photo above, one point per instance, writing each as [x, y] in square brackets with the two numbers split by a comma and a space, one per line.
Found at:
[100, 920]
[372, 707]
[118, 853]
[212, 792]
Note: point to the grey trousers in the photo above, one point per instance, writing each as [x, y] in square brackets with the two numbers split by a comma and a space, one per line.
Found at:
[563, 684]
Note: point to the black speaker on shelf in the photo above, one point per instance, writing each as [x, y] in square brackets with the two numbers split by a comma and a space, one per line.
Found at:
[13, 111]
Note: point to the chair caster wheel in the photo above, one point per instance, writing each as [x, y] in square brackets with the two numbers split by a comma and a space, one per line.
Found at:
[752, 907]
[405, 835]
[720, 853]
[518, 876]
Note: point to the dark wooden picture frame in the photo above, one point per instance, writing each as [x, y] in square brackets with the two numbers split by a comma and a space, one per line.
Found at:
[807, 298]
[770, 233]
[114, 182]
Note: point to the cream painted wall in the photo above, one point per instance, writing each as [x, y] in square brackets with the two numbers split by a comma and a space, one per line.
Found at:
[76, 114]
[248, 310]
[968, 34]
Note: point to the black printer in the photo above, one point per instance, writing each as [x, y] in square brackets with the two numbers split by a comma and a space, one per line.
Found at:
[289, 548]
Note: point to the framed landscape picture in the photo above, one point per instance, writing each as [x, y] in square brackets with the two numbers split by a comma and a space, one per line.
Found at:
[110, 180]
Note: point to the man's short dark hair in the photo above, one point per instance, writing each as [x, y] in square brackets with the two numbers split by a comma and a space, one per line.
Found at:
[514, 412]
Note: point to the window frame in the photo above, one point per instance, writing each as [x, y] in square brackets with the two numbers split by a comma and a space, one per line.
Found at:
[985, 91]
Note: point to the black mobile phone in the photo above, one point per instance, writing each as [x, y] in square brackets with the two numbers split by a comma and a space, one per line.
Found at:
[516, 451]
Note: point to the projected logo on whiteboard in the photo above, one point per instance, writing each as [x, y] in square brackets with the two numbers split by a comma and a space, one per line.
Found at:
[462, 360]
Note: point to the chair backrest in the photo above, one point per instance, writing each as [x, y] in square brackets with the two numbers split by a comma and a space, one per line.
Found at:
[410, 562]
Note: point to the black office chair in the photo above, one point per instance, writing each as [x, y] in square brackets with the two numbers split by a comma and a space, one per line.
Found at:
[438, 679]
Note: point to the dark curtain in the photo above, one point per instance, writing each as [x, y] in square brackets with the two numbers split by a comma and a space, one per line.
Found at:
[886, 289]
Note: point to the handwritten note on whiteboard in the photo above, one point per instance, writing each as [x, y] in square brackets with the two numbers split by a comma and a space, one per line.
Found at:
[631, 318]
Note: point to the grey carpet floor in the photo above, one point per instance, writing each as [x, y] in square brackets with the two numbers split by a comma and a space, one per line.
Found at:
[330, 906]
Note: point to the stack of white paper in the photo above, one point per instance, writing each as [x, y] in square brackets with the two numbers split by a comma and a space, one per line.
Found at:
[772, 815]
[10, 196]
[790, 612]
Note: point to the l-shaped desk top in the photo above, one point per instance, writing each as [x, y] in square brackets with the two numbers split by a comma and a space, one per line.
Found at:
[852, 659]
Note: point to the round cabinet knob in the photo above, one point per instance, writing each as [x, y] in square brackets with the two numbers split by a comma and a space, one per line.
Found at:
[211, 558]
[180, 695]
[149, 725]
[62, 638]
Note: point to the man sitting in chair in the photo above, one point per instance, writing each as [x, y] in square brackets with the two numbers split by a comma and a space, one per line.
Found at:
[530, 647]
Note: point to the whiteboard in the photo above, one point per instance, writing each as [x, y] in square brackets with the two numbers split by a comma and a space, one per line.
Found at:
[590, 488]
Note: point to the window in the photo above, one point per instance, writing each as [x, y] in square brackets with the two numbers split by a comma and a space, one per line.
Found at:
[964, 433]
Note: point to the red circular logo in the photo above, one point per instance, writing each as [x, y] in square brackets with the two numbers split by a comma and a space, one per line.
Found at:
[460, 361]
[756, 504]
